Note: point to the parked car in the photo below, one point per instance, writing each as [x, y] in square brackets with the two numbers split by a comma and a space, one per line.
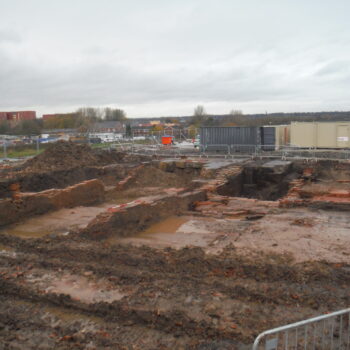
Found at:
[95, 140]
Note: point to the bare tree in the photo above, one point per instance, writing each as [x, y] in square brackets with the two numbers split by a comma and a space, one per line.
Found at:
[114, 114]
[199, 116]
[236, 112]
[199, 111]
[90, 113]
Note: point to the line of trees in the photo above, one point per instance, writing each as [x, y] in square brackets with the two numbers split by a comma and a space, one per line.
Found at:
[237, 118]
[82, 119]
[26, 127]
[201, 118]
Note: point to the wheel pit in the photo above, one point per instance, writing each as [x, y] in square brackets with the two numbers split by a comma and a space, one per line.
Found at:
[65, 164]
[145, 182]
[127, 219]
[269, 181]
[320, 185]
[26, 205]
[59, 179]
[325, 185]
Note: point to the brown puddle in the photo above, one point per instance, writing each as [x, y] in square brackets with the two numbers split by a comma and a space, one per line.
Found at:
[71, 316]
[178, 231]
[58, 222]
[169, 225]
[62, 313]
[25, 231]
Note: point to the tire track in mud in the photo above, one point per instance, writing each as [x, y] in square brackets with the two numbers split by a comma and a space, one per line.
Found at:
[242, 287]
[186, 261]
[118, 312]
[233, 297]
[81, 332]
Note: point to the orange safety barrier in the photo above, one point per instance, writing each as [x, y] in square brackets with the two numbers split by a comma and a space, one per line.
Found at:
[167, 140]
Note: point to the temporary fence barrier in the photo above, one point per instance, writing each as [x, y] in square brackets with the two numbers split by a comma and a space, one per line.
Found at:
[153, 147]
[251, 151]
[326, 332]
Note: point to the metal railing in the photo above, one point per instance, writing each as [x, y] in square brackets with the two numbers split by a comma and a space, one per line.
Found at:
[244, 151]
[122, 146]
[326, 332]
[154, 147]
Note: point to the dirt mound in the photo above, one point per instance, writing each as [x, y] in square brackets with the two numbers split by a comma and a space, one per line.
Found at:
[66, 155]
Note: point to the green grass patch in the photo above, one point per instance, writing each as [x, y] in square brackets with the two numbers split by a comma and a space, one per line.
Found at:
[21, 153]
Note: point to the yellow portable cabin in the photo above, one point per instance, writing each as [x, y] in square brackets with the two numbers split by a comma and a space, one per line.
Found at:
[282, 135]
[320, 134]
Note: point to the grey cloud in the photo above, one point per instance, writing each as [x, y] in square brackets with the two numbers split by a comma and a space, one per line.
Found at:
[337, 68]
[101, 83]
[9, 36]
[181, 53]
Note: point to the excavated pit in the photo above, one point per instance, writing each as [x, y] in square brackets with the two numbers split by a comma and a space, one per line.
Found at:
[65, 164]
[264, 181]
[145, 181]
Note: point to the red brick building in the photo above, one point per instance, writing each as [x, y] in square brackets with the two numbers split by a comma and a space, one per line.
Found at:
[3, 116]
[18, 116]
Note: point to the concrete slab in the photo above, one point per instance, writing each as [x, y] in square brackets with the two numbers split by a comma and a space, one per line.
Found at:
[278, 166]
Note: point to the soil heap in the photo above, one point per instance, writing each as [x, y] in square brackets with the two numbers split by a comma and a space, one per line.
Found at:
[67, 154]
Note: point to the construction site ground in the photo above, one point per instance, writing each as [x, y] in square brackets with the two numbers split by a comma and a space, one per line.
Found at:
[145, 253]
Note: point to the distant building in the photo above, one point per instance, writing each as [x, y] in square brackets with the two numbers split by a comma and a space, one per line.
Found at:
[142, 129]
[108, 127]
[15, 117]
[3, 116]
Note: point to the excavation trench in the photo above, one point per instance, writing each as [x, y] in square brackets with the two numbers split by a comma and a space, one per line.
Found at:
[58, 211]
[269, 181]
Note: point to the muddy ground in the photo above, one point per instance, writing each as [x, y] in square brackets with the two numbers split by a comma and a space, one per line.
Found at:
[212, 277]
[74, 294]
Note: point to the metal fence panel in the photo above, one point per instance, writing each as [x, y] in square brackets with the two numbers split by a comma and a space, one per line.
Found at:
[326, 332]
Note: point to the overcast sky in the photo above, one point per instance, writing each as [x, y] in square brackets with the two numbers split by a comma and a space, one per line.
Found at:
[164, 57]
